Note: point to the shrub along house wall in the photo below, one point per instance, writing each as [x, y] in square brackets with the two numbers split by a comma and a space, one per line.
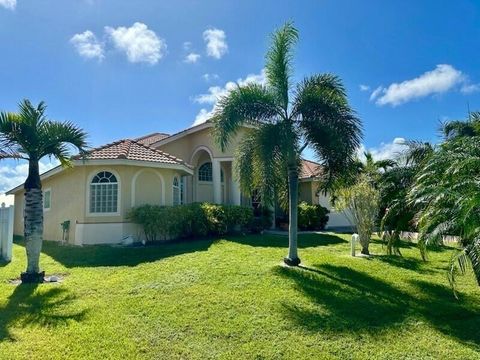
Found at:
[160, 223]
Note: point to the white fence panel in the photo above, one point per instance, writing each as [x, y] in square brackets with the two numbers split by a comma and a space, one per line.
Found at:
[6, 232]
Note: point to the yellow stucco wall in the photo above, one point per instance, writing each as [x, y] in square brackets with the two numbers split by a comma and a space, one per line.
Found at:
[185, 147]
[194, 148]
[69, 196]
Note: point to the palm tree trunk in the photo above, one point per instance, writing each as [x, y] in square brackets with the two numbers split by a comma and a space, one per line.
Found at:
[292, 259]
[33, 219]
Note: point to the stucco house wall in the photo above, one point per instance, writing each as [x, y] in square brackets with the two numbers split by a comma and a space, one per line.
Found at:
[145, 169]
[70, 201]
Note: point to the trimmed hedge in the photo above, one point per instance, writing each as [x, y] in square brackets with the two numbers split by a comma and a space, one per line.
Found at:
[312, 217]
[191, 220]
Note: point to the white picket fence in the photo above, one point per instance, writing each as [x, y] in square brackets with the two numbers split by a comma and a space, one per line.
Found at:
[6, 232]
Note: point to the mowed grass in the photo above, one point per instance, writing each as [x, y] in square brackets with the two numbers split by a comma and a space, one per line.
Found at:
[232, 299]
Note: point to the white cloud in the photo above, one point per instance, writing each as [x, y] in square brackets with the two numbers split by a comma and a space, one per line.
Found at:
[9, 4]
[364, 87]
[216, 41]
[468, 88]
[14, 175]
[210, 77]
[440, 80]
[87, 45]
[216, 92]
[138, 42]
[389, 150]
[375, 93]
[192, 58]
[202, 116]
[187, 45]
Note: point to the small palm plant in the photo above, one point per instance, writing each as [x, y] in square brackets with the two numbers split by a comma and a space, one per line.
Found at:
[29, 135]
[285, 119]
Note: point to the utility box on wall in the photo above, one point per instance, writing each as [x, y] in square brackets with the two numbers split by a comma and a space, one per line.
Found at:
[6, 232]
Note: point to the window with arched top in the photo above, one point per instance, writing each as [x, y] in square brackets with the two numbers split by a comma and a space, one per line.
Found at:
[205, 172]
[176, 191]
[104, 193]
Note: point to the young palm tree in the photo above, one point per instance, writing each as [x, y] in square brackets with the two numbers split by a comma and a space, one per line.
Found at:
[447, 190]
[397, 213]
[30, 136]
[287, 119]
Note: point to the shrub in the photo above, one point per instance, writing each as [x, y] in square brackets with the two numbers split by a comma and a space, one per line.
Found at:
[262, 219]
[192, 220]
[361, 203]
[312, 217]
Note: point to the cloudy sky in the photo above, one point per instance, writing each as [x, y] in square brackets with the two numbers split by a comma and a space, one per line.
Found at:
[124, 68]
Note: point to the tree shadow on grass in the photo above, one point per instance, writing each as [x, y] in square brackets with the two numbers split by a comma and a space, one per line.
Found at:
[413, 264]
[346, 300]
[28, 306]
[457, 318]
[102, 255]
[343, 299]
[280, 241]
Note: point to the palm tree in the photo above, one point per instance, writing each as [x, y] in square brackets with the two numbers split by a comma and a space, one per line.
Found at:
[397, 213]
[447, 190]
[285, 120]
[460, 128]
[30, 136]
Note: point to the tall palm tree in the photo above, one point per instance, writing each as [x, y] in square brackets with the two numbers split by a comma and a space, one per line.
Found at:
[30, 136]
[287, 119]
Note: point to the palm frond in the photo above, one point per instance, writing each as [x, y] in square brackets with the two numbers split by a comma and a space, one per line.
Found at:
[250, 104]
[29, 135]
[447, 192]
[56, 138]
[327, 121]
[279, 60]
[260, 162]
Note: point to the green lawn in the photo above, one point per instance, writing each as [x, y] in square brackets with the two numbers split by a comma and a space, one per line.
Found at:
[233, 299]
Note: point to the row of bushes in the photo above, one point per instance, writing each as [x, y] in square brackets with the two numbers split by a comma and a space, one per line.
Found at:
[310, 217]
[193, 220]
[205, 219]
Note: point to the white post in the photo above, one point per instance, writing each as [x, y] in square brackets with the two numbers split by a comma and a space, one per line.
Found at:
[217, 182]
[6, 231]
[236, 194]
[10, 215]
[354, 241]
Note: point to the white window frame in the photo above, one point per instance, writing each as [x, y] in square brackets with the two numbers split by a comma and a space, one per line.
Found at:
[119, 193]
[183, 190]
[45, 191]
[222, 174]
[176, 191]
[198, 173]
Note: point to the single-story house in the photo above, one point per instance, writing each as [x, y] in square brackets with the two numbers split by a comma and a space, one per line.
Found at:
[95, 195]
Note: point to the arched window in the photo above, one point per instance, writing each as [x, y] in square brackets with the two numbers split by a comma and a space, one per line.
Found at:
[205, 172]
[176, 191]
[104, 193]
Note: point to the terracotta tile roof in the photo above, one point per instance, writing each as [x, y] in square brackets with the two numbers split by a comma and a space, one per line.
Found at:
[151, 138]
[310, 169]
[131, 150]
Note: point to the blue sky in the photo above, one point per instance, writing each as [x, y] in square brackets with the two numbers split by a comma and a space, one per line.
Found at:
[119, 69]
